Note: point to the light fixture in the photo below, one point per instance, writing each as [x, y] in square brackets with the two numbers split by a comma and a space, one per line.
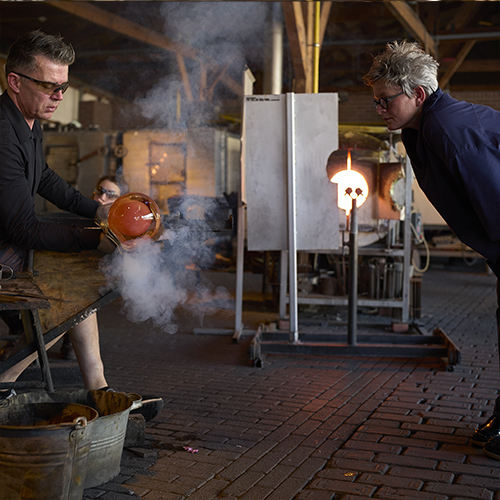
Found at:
[350, 181]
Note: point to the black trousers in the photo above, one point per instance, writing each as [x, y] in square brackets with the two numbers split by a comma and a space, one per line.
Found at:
[496, 411]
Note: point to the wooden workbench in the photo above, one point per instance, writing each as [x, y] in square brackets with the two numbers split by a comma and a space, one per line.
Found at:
[73, 284]
[69, 287]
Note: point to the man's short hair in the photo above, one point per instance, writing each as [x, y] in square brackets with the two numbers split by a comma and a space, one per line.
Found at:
[22, 54]
[405, 65]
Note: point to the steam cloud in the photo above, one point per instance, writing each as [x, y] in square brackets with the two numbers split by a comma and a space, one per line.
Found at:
[227, 34]
[153, 280]
[154, 283]
[145, 284]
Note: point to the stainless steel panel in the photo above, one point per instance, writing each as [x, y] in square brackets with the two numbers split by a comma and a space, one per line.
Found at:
[265, 142]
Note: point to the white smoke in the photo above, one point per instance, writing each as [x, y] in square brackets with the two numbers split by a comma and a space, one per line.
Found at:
[154, 282]
[225, 36]
[218, 29]
[156, 278]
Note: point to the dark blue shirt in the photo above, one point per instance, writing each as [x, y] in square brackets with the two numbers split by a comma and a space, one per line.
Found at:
[24, 173]
[455, 155]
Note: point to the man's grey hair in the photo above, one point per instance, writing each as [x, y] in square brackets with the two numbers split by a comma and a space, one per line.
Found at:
[22, 54]
[406, 65]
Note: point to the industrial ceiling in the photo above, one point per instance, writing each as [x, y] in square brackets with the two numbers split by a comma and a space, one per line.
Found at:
[197, 50]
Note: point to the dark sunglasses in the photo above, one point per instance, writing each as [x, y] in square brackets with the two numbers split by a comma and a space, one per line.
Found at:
[48, 88]
[383, 102]
[106, 192]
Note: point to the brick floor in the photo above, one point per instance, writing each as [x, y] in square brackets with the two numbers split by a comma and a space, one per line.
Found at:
[310, 427]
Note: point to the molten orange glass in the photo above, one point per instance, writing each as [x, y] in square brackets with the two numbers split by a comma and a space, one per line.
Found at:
[350, 180]
[134, 215]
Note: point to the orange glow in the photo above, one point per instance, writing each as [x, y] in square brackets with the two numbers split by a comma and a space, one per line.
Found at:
[350, 180]
[132, 218]
[134, 215]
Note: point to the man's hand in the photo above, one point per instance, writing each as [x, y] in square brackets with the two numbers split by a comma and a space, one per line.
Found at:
[102, 212]
[107, 245]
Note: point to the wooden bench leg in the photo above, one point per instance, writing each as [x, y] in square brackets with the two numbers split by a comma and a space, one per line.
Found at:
[33, 331]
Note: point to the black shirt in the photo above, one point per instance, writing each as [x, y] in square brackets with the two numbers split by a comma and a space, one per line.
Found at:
[24, 173]
[455, 155]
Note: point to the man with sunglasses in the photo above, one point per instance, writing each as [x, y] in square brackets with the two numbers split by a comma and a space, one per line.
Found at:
[454, 148]
[37, 76]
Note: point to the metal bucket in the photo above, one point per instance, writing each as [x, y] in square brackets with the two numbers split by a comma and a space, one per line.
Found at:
[44, 449]
[108, 432]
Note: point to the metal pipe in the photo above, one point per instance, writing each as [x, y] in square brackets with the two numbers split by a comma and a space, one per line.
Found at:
[292, 217]
[273, 75]
[317, 19]
[283, 282]
[240, 256]
[353, 277]
[405, 293]
[469, 36]
[438, 38]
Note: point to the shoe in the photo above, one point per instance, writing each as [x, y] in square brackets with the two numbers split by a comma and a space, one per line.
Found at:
[67, 351]
[490, 429]
[6, 350]
[6, 394]
[492, 448]
[150, 407]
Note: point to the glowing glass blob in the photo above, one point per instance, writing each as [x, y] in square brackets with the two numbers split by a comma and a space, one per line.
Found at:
[350, 180]
[134, 215]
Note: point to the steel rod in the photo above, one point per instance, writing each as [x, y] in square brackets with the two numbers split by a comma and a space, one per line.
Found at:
[353, 276]
[292, 218]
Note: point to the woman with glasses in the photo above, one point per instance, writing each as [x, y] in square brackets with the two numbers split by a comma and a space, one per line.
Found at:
[108, 189]
[454, 148]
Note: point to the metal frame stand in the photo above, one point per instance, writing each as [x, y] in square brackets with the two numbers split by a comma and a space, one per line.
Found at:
[414, 344]
[417, 344]
[402, 303]
[352, 313]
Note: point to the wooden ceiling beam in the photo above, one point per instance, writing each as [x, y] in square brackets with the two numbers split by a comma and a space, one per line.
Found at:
[326, 7]
[460, 20]
[412, 23]
[97, 91]
[310, 46]
[299, 22]
[130, 29]
[476, 66]
[463, 16]
[119, 24]
[464, 52]
[185, 77]
[296, 32]
[220, 76]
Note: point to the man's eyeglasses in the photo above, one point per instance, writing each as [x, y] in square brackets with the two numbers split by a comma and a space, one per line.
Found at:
[48, 88]
[383, 102]
[106, 192]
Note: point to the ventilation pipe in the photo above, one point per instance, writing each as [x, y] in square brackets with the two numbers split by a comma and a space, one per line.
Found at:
[317, 23]
[273, 76]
